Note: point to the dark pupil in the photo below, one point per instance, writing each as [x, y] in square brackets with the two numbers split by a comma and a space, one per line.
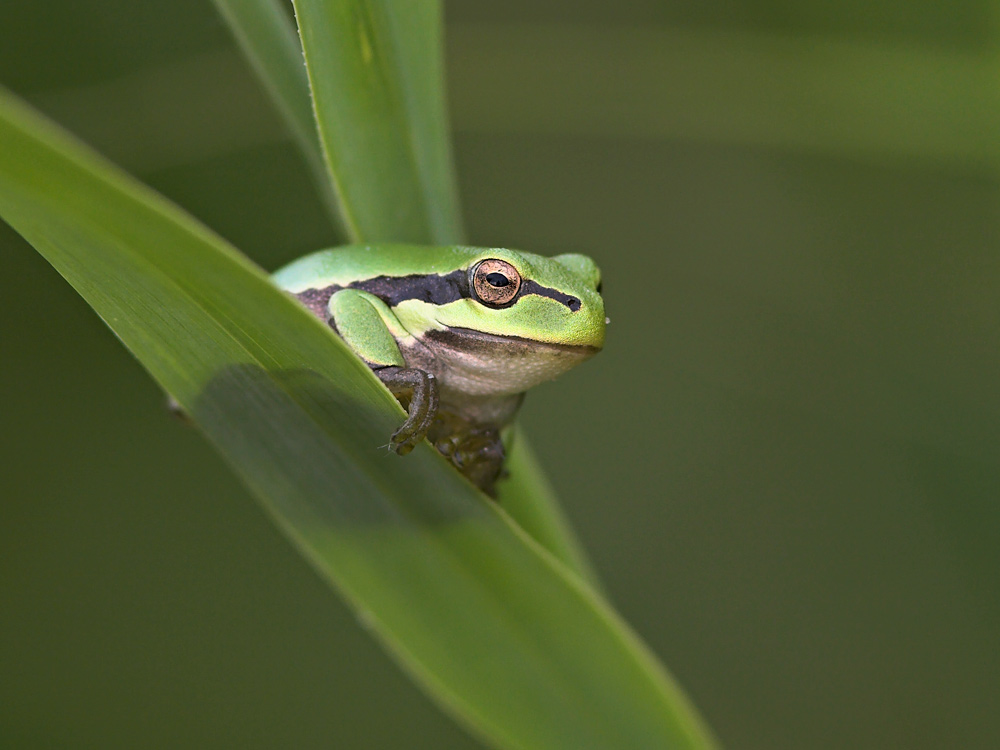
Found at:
[497, 279]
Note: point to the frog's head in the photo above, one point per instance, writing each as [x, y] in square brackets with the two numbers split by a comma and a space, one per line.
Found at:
[530, 297]
[512, 320]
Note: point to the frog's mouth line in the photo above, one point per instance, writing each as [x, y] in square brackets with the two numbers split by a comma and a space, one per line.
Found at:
[469, 340]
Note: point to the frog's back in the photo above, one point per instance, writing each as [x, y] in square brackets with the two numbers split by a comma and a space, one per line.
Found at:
[341, 266]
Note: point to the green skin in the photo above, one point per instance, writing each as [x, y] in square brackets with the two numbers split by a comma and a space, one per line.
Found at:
[458, 359]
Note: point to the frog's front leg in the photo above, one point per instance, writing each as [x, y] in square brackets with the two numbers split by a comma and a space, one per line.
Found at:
[421, 388]
[368, 326]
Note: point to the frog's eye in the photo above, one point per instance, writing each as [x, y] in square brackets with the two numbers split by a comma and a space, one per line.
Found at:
[495, 282]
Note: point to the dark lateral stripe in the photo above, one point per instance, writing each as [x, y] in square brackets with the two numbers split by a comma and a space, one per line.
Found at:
[468, 340]
[531, 287]
[432, 288]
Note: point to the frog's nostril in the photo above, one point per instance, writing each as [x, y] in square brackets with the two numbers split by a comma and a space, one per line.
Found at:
[573, 304]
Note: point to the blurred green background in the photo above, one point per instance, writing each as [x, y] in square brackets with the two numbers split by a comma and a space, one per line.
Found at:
[785, 463]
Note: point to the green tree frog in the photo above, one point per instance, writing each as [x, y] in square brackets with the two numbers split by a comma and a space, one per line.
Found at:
[457, 334]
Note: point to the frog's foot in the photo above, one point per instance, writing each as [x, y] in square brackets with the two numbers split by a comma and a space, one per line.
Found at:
[422, 389]
[475, 450]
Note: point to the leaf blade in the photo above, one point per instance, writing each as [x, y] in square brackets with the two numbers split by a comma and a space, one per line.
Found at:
[494, 627]
[381, 116]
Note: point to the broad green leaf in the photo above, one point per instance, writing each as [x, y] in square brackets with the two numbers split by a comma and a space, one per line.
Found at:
[377, 85]
[496, 629]
[269, 41]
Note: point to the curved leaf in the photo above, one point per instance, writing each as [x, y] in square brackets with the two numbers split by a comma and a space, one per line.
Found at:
[496, 629]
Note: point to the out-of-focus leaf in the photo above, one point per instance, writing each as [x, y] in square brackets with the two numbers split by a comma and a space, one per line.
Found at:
[530, 500]
[829, 95]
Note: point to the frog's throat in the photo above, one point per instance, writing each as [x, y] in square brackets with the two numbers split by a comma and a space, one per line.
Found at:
[473, 365]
